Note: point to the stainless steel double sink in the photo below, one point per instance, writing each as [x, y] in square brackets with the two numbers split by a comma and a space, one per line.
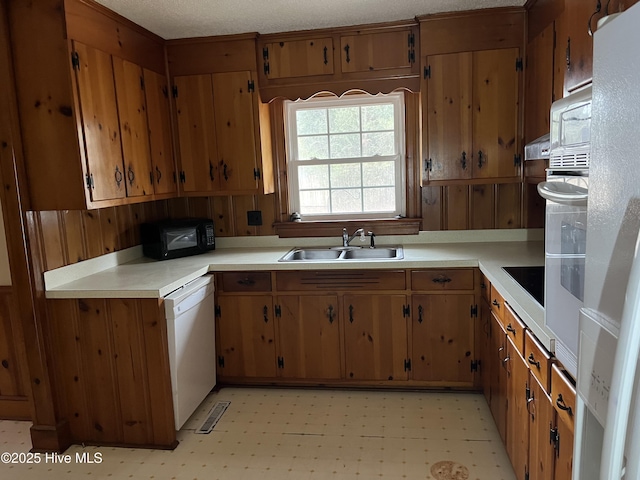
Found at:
[343, 253]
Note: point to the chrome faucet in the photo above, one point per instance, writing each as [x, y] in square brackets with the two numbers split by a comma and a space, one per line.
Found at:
[346, 239]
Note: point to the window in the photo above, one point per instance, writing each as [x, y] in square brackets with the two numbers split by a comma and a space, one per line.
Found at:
[345, 156]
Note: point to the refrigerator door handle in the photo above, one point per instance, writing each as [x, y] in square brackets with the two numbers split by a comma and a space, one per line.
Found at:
[564, 193]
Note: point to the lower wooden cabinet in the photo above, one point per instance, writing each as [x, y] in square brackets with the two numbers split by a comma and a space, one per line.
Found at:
[375, 337]
[443, 338]
[246, 336]
[498, 358]
[309, 336]
[563, 464]
[541, 419]
[517, 416]
[483, 343]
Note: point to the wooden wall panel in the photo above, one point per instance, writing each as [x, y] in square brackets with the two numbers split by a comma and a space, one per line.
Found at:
[92, 229]
[74, 239]
[52, 239]
[199, 207]
[10, 373]
[481, 207]
[457, 207]
[267, 205]
[241, 205]
[222, 216]
[508, 205]
[109, 229]
[432, 208]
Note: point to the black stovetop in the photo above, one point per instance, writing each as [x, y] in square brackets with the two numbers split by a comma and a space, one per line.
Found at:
[529, 278]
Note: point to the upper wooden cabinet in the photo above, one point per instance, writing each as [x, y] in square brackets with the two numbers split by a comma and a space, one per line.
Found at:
[224, 135]
[471, 115]
[83, 106]
[298, 58]
[374, 58]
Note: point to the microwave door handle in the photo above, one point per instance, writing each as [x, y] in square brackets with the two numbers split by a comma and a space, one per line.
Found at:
[570, 195]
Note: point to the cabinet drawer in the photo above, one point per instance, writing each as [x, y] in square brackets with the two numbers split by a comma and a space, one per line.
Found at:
[452, 279]
[333, 280]
[563, 394]
[244, 281]
[497, 303]
[515, 328]
[485, 288]
[538, 358]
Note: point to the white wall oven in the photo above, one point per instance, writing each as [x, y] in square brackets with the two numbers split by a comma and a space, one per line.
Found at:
[566, 193]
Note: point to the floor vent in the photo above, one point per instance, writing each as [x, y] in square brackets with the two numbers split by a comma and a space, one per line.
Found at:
[215, 414]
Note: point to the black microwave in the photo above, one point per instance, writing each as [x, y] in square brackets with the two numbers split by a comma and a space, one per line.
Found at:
[177, 238]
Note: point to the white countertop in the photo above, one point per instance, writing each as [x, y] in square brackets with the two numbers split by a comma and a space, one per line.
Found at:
[139, 277]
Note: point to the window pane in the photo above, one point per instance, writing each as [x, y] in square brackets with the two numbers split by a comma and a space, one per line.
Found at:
[377, 117]
[378, 174]
[313, 176]
[379, 143]
[346, 201]
[311, 122]
[342, 120]
[313, 147]
[314, 202]
[345, 145]
[345, 175]
[379, 199]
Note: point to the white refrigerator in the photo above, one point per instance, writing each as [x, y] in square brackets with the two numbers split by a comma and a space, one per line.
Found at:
[607, 432]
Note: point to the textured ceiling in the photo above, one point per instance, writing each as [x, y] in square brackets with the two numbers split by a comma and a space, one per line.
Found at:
[198, 18]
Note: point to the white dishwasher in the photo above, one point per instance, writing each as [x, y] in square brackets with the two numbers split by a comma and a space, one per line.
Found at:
[190, 313]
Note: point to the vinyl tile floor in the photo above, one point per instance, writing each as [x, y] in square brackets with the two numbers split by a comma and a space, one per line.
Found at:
[300, 434]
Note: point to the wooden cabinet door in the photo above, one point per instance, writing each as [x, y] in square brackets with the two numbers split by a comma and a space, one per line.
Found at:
[156, 89]
[498, 355]
[298, 58]
[564, 451]
[539, 84]
[197, 133]
[134, 130]
[100, 126]
[375, 336]
[541, 452]
[246, 333]
[234, 120]
[442, 338]
[576, 42]
[483, 334]
[309, 335]
[495, 113]
[448, 130]
[373, 52]
[517, 416]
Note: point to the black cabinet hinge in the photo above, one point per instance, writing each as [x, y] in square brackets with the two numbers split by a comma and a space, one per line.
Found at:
[407, 365]
[554, 439]
[256, 173]
[278, 310]
[517, 160]
[75, 60]
[183, 177]
[411, 43]
[527, 393]
[475, 365]
[266, 68]
[220, 361]
[428, 165]
[519, 64]
[174, 91]
[406, 310]
[427, 72]
[218, 311]
[265, 53]
[280, 362]
[90, 182]
[141, 82]
[251, 87]
[474, 311]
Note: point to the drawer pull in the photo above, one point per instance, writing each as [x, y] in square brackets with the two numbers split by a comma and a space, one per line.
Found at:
[483, 286]
[350, 313]
[562, 406]
[511, 329]
[265, 311]
[506, 359]
[441, 279]
[420, 311]
[330, 313]
[247, 282]
[532, 360]
[495, 302]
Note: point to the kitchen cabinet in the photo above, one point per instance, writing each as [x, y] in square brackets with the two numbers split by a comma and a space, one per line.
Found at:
[517, 415]
[483, 340]
[309, 336]
[83, 109]
[541, 419]
[498, 359]
[224, 136]
[563, 440]
[539, 84]
[375, 337]
[379, 51]
[246, 336]
[471, 115]
[298, 58]
[442, 338]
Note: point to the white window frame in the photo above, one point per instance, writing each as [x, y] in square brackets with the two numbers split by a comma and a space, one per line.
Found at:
[290, 109]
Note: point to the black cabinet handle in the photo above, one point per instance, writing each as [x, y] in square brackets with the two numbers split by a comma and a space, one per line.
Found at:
[563, 406]
[480, 159]
[483, 286]
[350, 313]
[330, 313]
[346, 49]
[326, 60]
[441, 279]
[247, 282]
[131, 175]
[224, 171]
[265, 311]
[158, 175]
[420, 311]
[495, 302]
[463, 160]
[211, 171]
[511, 329]
[532, 360]
[118, 176]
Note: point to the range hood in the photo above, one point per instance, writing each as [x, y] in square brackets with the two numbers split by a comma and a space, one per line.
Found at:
[537, 149]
